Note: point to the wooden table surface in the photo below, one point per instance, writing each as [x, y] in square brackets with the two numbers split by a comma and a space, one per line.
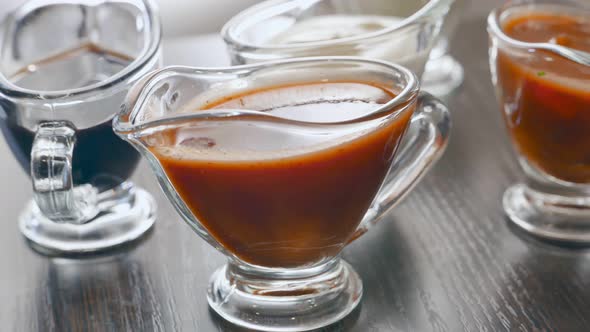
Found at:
[444, 260]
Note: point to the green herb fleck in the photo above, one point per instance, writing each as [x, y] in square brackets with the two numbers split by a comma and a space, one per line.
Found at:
[541, 73]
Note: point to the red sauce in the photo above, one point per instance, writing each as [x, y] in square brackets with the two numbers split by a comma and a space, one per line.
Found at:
[546, 98]
[265, 194]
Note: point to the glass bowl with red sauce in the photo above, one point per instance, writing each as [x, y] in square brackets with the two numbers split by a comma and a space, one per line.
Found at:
[279, 166]
[540, 64]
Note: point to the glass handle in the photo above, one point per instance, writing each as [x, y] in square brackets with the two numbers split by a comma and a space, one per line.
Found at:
[51, 172]
[423, 144]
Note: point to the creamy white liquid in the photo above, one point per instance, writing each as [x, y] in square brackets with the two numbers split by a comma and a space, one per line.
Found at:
[330, 27]
[400, 47]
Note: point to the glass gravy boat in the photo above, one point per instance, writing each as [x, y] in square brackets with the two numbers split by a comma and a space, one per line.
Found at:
[65, 69]
[283, 228]
[399, 31]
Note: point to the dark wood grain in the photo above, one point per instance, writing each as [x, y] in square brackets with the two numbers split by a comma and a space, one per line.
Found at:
[445, 260]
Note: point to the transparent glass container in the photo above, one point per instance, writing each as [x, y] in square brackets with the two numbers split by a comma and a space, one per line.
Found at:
[65, 68]
[443, 73]
[281, 284]
[544, 97]
[398, 31]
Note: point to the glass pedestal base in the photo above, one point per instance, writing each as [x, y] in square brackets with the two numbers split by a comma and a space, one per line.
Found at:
[442, 76]
[561, 219]
[285, 300]
[128, 216]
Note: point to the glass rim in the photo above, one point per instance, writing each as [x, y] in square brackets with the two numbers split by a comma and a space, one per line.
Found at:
[149, 51]
[123, 126]
[495, 30]
[229, 35]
